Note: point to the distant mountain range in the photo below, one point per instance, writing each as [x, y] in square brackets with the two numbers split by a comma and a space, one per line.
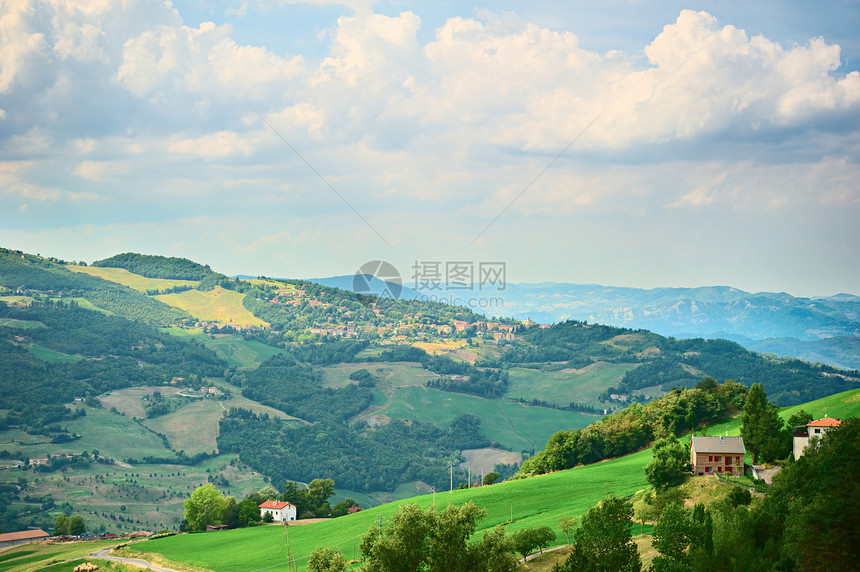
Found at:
[825, 329]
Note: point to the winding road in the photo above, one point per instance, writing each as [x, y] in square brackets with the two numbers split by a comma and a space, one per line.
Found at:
[105, 555]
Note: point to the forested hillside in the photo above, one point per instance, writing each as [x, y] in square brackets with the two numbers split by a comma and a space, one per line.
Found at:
[32, 275]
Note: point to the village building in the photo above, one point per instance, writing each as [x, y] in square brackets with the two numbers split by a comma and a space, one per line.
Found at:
[280, 511]
[717, 455]
[803, 433]
[22, 537]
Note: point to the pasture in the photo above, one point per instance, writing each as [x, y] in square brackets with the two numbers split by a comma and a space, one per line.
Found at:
[217, 305]
[52, 356]
[21, 324]
[133, 281]
[239, 352]
[513, 425]
[567, 385]
[391, 375]
[43, 556]
[539, 501]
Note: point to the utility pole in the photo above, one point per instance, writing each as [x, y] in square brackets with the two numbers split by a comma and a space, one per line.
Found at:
[470, 476]
[451, 465]
[380, 524]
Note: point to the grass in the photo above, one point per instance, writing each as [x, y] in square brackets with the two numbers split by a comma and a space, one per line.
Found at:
[242, 353]
[513, 425]
[566, 386]
[116, 436]
[134, 281]
[392, 375]
[21, 324]
[539, 501]
[200, 436]
[217, 305]
[232, 348]
[52, 356]
[38, 555]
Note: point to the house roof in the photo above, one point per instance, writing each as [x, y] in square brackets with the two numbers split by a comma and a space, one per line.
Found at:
[277, 505]
[826, 422]
[23, 535]
[719, 445]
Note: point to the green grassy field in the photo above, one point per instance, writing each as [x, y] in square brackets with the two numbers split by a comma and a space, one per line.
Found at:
[540, 501]
[232, 348]
[241, 353]
[514, 425]
[134, 281]
[52, 356]
[200, 436]
[21, 324]
[566, 386]
[47, 557]
[391, 375]
[217, 305]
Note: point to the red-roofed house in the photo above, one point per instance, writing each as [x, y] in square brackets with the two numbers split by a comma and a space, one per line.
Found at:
[281, 511]
[817, 428]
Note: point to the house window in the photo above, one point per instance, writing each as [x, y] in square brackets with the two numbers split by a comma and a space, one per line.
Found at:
[817, 431]
[719, 469]
[728, 460]
[719, 458]
[710, 458]
[708, 469]
[728, 469]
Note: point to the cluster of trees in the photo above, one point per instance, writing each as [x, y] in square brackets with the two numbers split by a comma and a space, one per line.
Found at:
[428, 540]
[804, 522]
[359, 457]
[296, 389]
[153, 266]
[65, 526]
[635, 426]
[765, 434]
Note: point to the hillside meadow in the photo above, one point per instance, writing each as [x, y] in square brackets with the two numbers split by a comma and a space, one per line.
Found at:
[515, 426]
[133, 281]
[216, 305]
[539, 501]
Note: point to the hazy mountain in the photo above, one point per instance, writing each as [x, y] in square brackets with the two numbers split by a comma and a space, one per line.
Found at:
[825, 329]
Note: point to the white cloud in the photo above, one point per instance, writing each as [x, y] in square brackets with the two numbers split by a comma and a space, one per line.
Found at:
[101, 170]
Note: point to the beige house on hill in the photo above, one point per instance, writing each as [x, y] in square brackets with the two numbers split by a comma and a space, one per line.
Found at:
[717, 455]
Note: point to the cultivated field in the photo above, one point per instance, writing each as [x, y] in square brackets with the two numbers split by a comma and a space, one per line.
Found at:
[217, 305]
[21, 324]
[513, 425]
[566, 386]
[52, 356]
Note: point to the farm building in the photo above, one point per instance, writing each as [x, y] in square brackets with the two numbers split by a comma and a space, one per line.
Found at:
[280, 511]
[816, 428]
[22, 537]
[724, 455]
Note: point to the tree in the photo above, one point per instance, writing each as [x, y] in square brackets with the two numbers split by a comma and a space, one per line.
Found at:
[61, 525]
[77, 526]
[205, 506]
[761, 426]
[672, 533]
[523, 542]
[491, 478]
[603, 542]
[249, 512]
[798, 418]
[543, 536]
[231, 513]
[566, 525]
[666, 469]
[326, 560]
[414, 540]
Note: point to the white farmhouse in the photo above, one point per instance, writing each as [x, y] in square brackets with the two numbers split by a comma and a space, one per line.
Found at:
[803, 433]
[280, 511]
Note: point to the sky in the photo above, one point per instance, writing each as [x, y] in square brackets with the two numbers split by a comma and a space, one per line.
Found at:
[630, 143]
